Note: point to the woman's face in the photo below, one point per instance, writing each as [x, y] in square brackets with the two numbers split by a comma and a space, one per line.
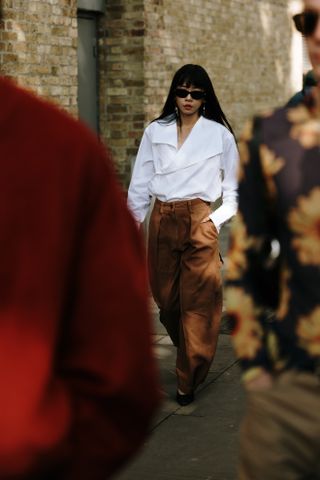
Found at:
[185, 102]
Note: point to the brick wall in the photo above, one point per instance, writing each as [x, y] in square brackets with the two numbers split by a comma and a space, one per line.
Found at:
[123, 80]
[38, 47]
[243, 44]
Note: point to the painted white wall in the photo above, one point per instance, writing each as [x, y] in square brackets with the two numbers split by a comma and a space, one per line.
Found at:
[297, 57]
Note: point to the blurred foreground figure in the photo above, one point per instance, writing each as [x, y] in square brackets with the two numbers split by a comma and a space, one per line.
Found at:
[76, 372]
[273, 292]
[308, 82]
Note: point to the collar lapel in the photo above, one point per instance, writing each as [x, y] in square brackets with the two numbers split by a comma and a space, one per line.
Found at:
[204, 141]
[166, 134]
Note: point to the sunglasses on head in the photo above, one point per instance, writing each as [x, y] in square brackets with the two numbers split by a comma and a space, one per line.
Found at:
[306, 22]
[195, 94]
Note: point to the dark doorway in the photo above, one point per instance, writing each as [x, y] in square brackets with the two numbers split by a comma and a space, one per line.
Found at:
[88, 92]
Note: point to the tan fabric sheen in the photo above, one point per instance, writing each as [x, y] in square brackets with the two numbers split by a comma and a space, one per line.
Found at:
[185, 278]
[280, 434]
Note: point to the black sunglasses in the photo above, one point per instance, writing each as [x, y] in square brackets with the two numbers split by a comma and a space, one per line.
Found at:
[195, 94]
[306, 22]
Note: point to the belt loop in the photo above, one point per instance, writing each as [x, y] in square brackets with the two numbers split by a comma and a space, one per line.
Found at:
[190, 206]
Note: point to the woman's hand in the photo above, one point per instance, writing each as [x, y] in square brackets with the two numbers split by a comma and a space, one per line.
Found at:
[206, 219]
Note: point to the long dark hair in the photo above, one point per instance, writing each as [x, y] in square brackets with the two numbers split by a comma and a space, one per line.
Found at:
[196, 76]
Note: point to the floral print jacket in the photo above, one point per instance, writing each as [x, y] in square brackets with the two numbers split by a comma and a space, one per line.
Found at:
[273, 279]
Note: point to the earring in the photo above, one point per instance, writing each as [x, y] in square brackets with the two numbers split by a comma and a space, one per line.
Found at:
[204, 110]
[176, 111]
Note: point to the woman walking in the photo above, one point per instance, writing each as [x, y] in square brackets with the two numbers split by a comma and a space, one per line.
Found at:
[187, 159]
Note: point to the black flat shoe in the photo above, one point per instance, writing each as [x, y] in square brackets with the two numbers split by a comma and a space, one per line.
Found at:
[184, 400]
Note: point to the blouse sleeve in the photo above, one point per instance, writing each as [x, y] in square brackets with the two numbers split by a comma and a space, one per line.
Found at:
[139, 197]
[252, 275]
[229, 165]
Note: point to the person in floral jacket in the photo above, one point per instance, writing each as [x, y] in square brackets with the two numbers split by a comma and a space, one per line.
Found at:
[273, 283]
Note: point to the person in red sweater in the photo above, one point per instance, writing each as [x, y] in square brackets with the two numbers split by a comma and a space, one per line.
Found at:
[77, 376]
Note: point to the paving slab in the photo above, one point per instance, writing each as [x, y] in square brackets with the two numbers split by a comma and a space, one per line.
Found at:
[197, 442]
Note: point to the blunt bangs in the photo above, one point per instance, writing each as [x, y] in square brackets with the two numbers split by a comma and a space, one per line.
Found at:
[192, 79]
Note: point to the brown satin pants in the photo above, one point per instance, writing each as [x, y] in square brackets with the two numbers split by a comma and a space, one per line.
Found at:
[185, 279]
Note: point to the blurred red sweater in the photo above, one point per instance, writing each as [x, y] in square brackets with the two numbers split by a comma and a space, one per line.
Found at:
[78, 382]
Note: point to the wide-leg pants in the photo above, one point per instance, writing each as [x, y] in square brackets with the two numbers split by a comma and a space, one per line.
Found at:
[185, 279]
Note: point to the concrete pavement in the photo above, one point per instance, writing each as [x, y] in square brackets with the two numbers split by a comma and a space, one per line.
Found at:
[197, 442]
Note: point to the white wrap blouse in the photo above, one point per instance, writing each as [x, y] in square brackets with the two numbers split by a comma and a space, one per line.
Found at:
[205, 166]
